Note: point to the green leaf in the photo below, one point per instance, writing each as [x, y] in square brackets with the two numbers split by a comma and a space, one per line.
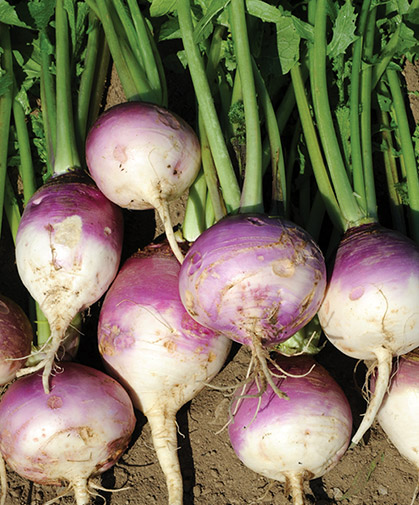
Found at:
[162, 7]
[343, 31]
[288, 43]
[215, 8]
[170, 30]
[9, 15]
[41, 12]
[264, 11]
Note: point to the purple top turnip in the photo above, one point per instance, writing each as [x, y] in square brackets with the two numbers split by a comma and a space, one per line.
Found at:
[142, 156]
[370, 310]
[296, 439]
[68, 250]
[156, 350]
[78, 430]
[254, 278]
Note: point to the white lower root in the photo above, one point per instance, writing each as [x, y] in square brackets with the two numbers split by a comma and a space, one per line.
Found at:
[164, 214]
[384, 367]
[47, 363]
[261, 356]
[295, 486]
[164, 434]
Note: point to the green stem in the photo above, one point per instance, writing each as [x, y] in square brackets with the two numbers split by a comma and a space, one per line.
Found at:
[225, 171]
[6, 101]
[48, 100]
[252, 196]
[26, 169]
[210, 172]
[87, 79]
[98, 91]
[150, 56]
[127, 81]
[194, 220]
[279, 205]
[11, 208]
[366, 76]
[313, 146]
[67, 157]
[408, 151]
[395, 203]
[354, 103]
[349, 208]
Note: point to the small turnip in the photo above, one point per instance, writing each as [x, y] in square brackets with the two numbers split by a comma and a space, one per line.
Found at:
[16, 337]
[75, 432]
[292, 440]
[143, 156]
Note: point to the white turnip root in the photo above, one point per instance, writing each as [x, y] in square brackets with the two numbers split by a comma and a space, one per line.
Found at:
[370, 310]
[68, 250]
[297, 439]
[16, 337]
[142, 156]
[156, 350]
[75, 432]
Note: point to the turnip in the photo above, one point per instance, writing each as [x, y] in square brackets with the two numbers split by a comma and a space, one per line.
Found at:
[370, 310]
[292, 440]
[256, 279]
[15, 339]
[156, 350]
[68, 249]
[142, 156]
[75, 432]
[399, 411]
[69, 240]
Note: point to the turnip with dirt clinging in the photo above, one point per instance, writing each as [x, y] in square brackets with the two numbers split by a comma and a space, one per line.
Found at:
[156, 350]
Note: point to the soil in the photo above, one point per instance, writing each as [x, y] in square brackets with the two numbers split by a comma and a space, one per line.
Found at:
[372, 473]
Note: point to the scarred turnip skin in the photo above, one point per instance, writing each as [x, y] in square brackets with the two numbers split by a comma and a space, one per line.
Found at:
[68, 250]
[68, 246]
[252, 275]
